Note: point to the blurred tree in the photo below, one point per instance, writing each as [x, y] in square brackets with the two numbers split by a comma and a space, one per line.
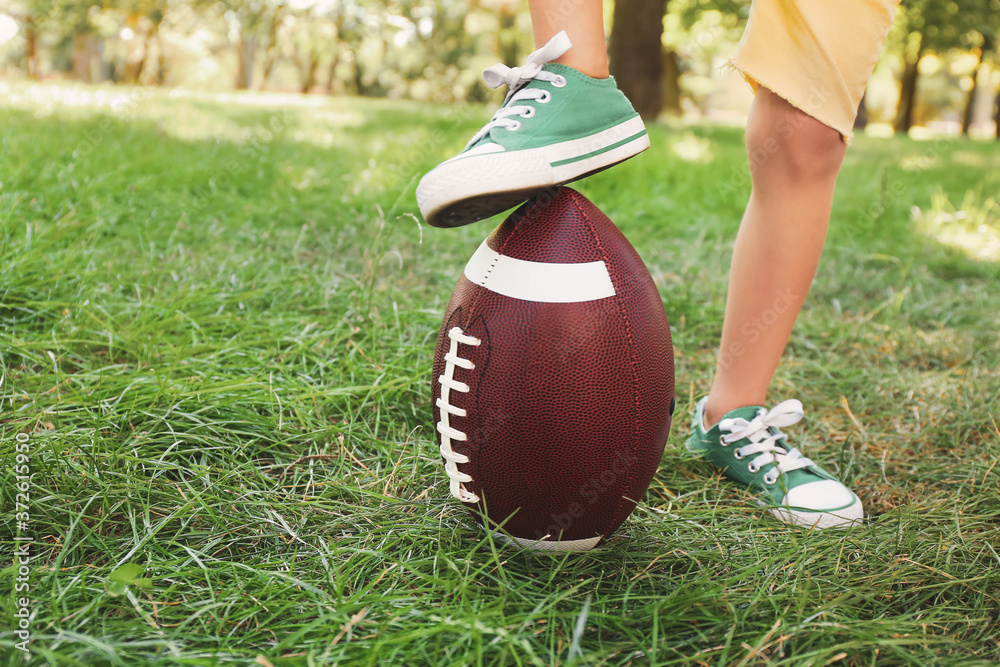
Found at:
[697, 33]
[272, 46]
[636, 53]
[671, 83]
[983, 18]
[73, 17]
[355, 23]
[142, 18]
[455, 40]
[338, 18]
[508, 42]
[309, 51]
[996, 117]
[31, 47]
[913, 51]
[977, 72]
[251, 21]
[32, 15]
[861, 119]
[938, 26]
[67, 24]
[312, 37]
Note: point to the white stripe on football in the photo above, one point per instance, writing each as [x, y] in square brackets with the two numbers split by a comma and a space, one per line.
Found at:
[541, 282]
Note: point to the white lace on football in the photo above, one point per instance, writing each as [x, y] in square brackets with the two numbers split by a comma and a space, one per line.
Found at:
[449, 433]
[517, 78]
[763, 433]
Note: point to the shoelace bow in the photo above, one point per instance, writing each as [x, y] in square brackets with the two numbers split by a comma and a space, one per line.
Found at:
[763, 432]
[516, 79]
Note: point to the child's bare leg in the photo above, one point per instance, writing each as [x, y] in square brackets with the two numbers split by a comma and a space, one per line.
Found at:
[794, 162]
[583, 21]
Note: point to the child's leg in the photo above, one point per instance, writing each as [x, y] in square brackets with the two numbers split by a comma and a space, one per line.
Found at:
[794, 164]
[583, 21]
[808, 61]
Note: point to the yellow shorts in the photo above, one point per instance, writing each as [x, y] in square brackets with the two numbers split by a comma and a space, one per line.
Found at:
[817, 54]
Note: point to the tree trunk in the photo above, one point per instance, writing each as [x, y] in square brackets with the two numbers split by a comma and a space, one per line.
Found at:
[135, 67]
[270, 60]
[970, 100]
[507, 36]
[161, 59]
[671, 83]
[145, 71]
[996, 117]
[358, 76]
[908, 93]
[83, 56]
[31, 48]
[244, 71]
[636, 53]
[104, 67]
[308, 73]
[272, 53]
[861, 120]
[331, 73]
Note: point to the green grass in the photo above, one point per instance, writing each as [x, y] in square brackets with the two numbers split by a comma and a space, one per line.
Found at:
[218, 320]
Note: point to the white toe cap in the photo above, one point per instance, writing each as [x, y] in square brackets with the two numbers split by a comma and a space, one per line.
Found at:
[823, 495]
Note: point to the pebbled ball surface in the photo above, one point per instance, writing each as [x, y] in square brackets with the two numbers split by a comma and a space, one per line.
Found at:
[569, 404]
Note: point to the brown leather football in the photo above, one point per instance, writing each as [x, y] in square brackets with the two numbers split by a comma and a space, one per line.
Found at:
[553, 377]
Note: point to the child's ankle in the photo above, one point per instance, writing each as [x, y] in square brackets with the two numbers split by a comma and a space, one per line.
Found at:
[594, 68]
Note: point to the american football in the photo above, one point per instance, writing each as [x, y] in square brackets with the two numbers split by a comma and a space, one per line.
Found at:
[553, 377]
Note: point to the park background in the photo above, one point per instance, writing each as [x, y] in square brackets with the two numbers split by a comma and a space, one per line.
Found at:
[218, 309]
[940, 67]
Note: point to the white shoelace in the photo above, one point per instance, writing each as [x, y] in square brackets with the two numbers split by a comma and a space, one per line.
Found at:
[517, 78]
[763, 433]
[453, 360]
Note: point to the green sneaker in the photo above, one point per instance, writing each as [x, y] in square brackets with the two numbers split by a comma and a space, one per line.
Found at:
[747, 446]
[556, 125]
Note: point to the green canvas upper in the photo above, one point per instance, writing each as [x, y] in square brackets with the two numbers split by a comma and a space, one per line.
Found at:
[708, 445]
[580, 108]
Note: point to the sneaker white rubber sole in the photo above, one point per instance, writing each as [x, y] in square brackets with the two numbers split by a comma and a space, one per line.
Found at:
[846, 517]
[488, 179]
